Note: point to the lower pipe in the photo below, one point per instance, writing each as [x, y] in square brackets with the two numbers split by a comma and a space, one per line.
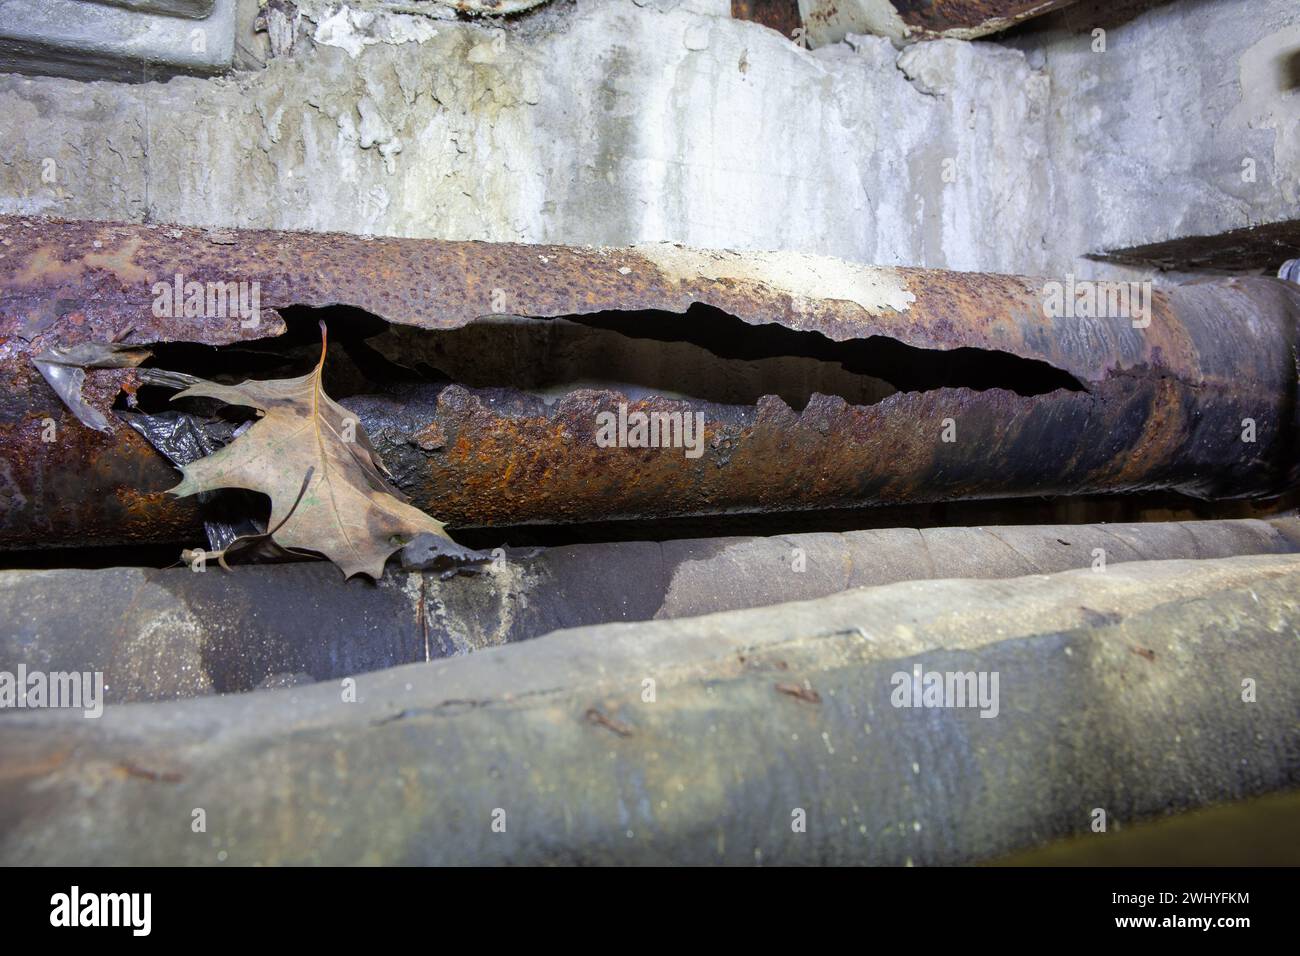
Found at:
[175, 633]
[778, 735]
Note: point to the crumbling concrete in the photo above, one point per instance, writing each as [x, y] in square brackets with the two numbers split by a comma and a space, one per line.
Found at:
[623, 123]
[616, 121]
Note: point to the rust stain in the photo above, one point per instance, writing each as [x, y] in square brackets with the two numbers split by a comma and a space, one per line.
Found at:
[128, 769]
[41, 765]
[780, 15]
[44, 266]
[430, 438]
[802, 692]
[595, 715]
[934, 19]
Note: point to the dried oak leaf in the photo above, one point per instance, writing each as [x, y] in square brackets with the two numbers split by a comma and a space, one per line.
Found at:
[348, 512]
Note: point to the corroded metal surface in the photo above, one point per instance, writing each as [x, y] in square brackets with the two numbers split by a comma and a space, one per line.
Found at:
[1158, 407]
[982, 16]
[493, 7]
[1262, 247]
[780, 15]
[829, 21]
[68, 281]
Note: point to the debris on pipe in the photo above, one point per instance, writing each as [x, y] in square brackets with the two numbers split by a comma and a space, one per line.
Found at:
[64, 369]
[227, 514]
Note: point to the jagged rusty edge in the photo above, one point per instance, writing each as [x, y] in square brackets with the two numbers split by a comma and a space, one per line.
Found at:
[831, 20]
[78, 280]
[967, 19]
[779, 15]
[493, 8]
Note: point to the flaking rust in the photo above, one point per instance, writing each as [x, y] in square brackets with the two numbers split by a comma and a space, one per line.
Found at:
[970, 18]
[829, 21]
[1161, 404]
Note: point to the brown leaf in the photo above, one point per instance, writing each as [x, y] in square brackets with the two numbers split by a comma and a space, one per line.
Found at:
[349, 512]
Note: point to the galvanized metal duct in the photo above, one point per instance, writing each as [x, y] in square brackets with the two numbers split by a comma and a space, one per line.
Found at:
[1170, 400]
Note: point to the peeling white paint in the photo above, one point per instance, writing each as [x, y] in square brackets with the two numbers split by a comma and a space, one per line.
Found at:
[805, 278]
[354, 30]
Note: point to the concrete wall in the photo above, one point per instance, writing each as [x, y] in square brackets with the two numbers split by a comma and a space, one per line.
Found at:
[1187, 124]
[619, 121]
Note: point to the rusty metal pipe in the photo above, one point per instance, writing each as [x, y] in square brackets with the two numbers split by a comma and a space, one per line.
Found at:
[780, 15]
[1167, 403]
[829, 21]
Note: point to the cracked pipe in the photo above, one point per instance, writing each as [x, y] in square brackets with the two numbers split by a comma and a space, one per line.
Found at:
[1190, 389]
